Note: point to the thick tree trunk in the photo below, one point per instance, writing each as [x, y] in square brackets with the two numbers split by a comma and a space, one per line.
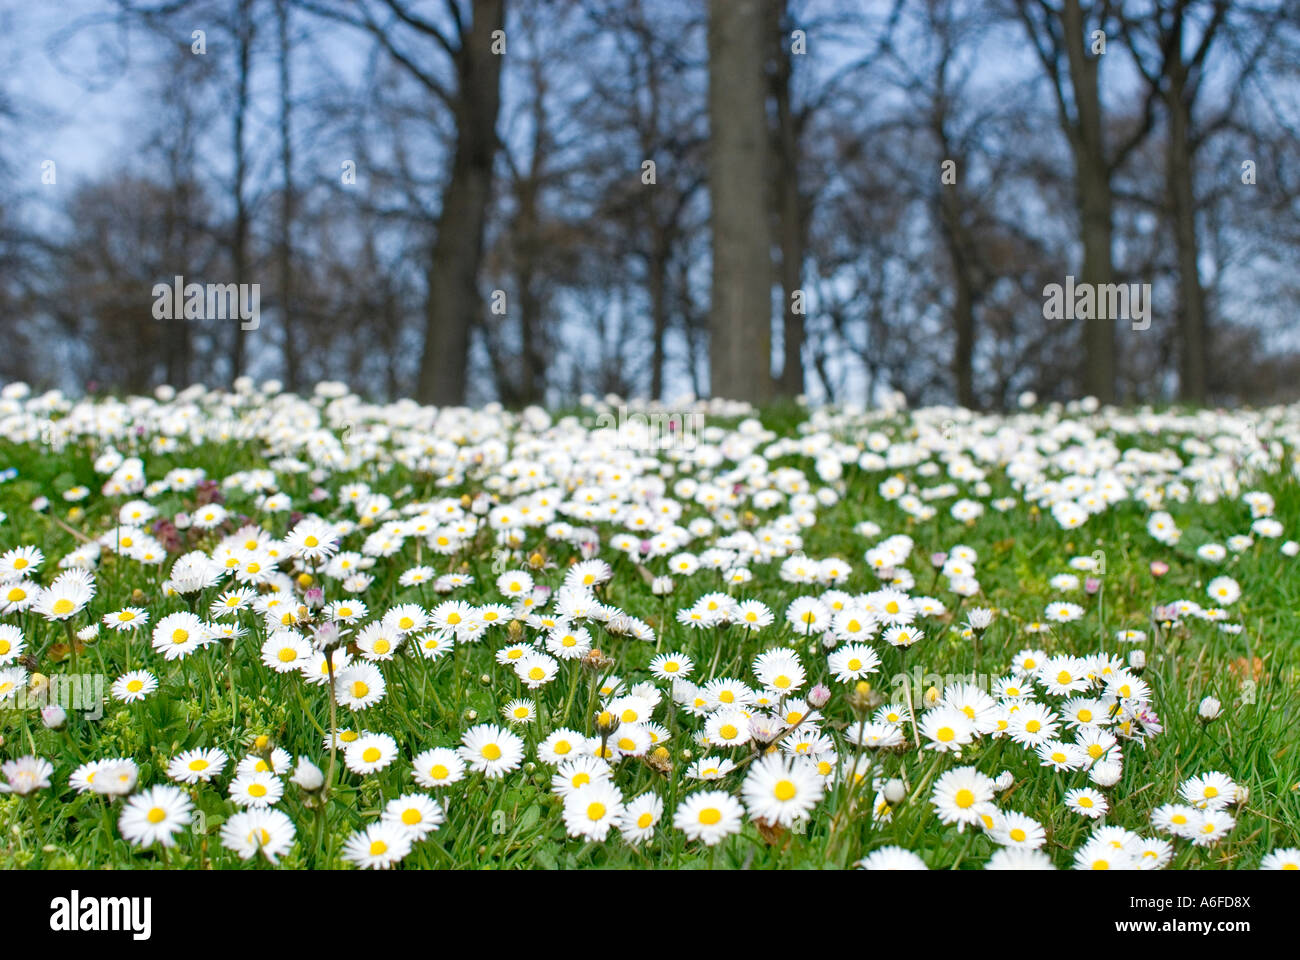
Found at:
[453, 302]
[740, 345]
[790, 212]
[1193, 362]
[1095, 198]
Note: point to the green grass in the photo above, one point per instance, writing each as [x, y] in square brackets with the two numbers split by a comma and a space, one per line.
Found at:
[516, 822]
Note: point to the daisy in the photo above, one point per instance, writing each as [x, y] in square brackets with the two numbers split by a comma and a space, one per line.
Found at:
[1100, 854]
[262, 789]
[1152, 854]
[779, 670]
[491, 750]
[1284, 858]
[12, 643]
[311, 539]
[947, 729]
[670, 666]
[536, 670]
[1019, 858]
[853, 662]
[1214, 825]
[128, 618]
[359, 686]
[250, 832]
[874, 736]
[414, 813]
[134, 686]
[66, 596]
[1224, 591]
[592, 809]
[709, 816]
[19, 563]
[781, 789]
[640, 817]
[560, 745]
[891, 858]
[1060, 756]
[370, 753]
[1087, 802]
[109, 778]
[377, 642]
[155, 816]
[520, 711]
[1033, 724]
[1213, 791]
[26, 775]
[377, 847]
[194, 766]
[1012, 829]
[959, 795]
[727, 728]
[286, 651]
[710, 768]
[406, 618]
[438, 767]
[903, 636]
[752, 615]
[177, 635]
[573, 774]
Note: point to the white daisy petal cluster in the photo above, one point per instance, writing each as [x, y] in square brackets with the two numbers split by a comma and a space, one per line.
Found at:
[396, 635]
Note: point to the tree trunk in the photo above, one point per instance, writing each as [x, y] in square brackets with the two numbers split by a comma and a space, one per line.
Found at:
[293, 345]
[1193, 363]
[1095, 199]
[453, 303]
[657, 269]
[740, 344]
[239, 241]
[790, 212]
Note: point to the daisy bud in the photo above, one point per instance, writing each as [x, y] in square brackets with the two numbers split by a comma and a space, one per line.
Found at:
[895, 791]
[1159, 568]
[471, 715]
[307, 775]
[54, 717]
[819, 696]
[318, 494]
[314, 597]
[485, 679]
[181, 521]
[1091, 585]
[1242, 795]
[1004, 781]
[1137, 659]
[662, 586]
[1210, 709]
[1106, 773]
[931, 697]
[938, 559]
[606, 723]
